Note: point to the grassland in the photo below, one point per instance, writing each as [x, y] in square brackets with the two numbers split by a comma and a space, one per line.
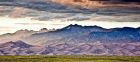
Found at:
[69, 58]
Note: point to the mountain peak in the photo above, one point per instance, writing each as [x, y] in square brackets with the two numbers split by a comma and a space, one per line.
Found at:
[44, 30]
[23, 31]
[21, 44]
[18, 43]
[75, 25]
[80, 27]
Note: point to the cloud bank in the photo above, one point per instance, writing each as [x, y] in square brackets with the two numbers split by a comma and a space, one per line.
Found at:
[37, 14]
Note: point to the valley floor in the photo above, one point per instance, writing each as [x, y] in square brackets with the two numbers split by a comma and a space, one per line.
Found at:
[69, 58]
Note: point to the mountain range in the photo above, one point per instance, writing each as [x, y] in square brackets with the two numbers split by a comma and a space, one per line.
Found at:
[19, 35]
[88, 34]
[73, 40]
[96, 48]
[75, 33]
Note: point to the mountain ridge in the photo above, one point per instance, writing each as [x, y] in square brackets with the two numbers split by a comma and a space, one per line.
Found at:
[77, 33]
[95, 49]
[77, 40]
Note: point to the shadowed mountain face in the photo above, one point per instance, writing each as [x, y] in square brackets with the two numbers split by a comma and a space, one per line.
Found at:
[15, 44]
[88, 34]
[76, 34]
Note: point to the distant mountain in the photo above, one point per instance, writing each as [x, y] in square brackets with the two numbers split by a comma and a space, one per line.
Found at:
[96, 48]
[18, 35]
[88, 34]
[20, 44]
[18, 48]
[73, 40]
[75, 33]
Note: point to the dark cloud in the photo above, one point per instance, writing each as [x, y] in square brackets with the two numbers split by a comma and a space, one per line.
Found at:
[117, 0]
[45, 11]
[126, 0]
[131, 0]
[78, 19]
[6, 0]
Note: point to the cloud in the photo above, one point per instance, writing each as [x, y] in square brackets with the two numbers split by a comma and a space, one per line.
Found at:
[46, 11]
[29, 23]
[10, 25]
[17, 12]
[114, 14]
[131, 0]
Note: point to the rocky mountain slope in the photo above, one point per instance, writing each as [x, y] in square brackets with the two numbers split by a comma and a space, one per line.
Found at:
[96, 48]
[18, 48]
[88, 34]
[73, 40]
[75, 33]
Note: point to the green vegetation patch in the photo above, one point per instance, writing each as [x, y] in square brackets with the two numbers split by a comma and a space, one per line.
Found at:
[69, 58]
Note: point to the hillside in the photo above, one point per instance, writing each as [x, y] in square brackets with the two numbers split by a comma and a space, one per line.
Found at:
[87, 34]
[95, 49]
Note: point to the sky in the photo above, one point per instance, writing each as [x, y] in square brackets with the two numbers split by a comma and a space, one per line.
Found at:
[10, 25]
[48, 15]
